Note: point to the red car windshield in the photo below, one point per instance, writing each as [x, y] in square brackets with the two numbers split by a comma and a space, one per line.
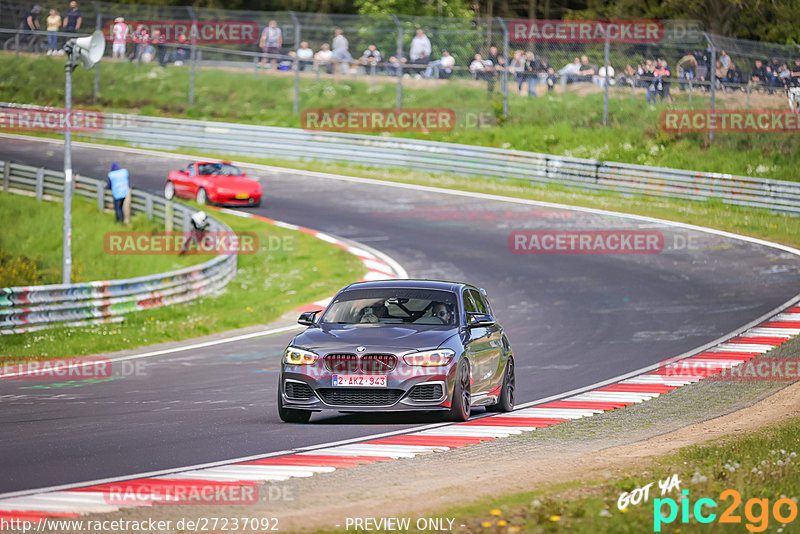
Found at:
[218, 169]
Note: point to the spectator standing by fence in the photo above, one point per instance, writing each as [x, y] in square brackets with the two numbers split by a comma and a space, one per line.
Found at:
[72, 20]
[687, 65]
[420, 52]
[341, 57]
[53, 25]
[119, 36]
[270, 43]
[119, 183]
[29, 23]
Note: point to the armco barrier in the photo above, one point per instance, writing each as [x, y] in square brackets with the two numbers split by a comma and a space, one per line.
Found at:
[290, 143]
[24, 309]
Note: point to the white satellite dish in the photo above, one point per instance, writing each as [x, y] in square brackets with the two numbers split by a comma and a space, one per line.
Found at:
[89, 49]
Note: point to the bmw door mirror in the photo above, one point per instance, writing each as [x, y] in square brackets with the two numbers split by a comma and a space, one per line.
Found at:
[308, 318]
[480, 319]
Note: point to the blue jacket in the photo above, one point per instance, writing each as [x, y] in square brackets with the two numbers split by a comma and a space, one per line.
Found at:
[119, 183]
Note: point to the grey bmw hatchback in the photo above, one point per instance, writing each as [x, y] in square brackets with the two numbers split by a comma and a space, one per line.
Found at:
[399, 345]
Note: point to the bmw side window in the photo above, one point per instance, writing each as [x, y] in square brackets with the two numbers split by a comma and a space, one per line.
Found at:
[479, 304]
[485, 301]
[469, 305]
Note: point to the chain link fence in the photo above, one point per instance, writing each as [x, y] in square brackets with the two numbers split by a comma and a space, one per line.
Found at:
[422, 52]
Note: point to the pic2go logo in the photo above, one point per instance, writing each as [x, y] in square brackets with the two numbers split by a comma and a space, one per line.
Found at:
[756, 511]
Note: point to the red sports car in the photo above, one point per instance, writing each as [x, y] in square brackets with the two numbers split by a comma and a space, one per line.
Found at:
[213, 183]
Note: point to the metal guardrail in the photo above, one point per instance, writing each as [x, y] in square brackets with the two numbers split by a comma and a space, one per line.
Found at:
[290, 143]
[25, 309]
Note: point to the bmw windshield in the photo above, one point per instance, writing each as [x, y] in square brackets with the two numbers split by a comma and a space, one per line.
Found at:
[392, 306]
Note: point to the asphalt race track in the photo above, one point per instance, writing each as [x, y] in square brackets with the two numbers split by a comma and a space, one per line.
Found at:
[573, 320]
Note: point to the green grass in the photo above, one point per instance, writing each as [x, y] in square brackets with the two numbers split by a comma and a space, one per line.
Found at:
[269, 283]
[568, 125]
[30, 244]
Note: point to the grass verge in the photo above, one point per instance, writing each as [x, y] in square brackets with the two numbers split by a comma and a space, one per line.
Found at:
[570, 125]
[290, 269]
[30, 244]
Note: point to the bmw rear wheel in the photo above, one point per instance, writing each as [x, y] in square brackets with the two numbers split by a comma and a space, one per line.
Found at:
[461, 402]
[505, 402]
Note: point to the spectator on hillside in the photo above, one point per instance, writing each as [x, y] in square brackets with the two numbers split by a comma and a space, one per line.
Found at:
[687, 65]
[586, 70]
[795, 73]
[119, 37]
[370, 58]
[518, 70]
[662, 75]
[341, 57]
[627, 77]
[159, 41]
[270, 42]
[720, 74]
[570, 71]
[396, 64]
[482, 69]
[323, 59]
[772, 78]
[442, 68]
[141, 41]
[420, 52]
[600, 77]
[53, 25]
[72, 20]
[784, 76]
[545, 73]
[498, 62]
[305, 56]
[181, 51]
[733, 78]
[758, 76]
[725, 59]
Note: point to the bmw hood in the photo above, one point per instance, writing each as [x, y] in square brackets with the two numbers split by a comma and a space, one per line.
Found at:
[346, 337]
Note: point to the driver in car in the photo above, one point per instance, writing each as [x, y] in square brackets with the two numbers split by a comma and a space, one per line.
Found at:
[373, 313]
[441, 311]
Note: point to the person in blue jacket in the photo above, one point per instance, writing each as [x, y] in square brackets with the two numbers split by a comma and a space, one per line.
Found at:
[119, 185]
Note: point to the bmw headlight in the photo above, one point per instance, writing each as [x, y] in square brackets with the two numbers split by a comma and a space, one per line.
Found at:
[430, 358]
[295, 356]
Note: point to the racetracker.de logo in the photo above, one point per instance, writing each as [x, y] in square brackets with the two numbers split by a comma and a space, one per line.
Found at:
[127, 494]
[50, 120]
[729, 121]
[82, 368]
[202, 31]
[378, 120]
[585, 31]
[586, 242]
[179, 243]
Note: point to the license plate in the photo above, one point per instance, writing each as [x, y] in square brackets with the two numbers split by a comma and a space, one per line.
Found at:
[242, 195]
[360, 381]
